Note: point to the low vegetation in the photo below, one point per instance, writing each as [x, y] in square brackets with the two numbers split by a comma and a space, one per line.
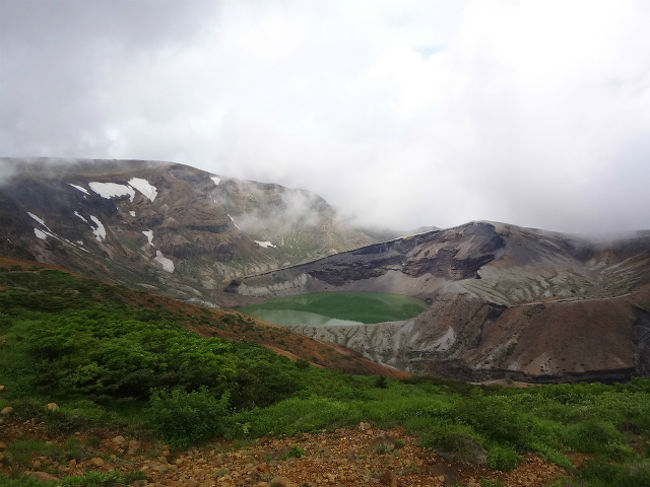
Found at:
[109, 356]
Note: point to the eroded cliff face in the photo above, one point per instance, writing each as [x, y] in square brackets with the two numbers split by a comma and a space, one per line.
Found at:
[162, 226]
[504, 301]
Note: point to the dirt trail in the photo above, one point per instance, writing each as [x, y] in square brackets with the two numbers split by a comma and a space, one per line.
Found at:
[362, 456]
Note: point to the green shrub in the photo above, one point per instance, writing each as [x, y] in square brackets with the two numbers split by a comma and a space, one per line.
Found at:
[381, 382]
[497, 419]
[592, 436]
[134, 475]
[188, 418]
[21, 451]
[295, 452]
[459, 441]
[64, 422]
[502, 457]
[24, 481]
[382, 449]
[301, 363]
[94, 479]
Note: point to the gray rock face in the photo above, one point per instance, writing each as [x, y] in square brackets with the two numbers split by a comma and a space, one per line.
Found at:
[505, 302]
[162, 226]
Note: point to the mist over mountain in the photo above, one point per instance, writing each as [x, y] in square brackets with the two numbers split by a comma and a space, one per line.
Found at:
[503, 301]
[162, 225]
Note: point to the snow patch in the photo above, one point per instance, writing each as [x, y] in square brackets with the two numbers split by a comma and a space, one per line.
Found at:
[99, 230]
[80, 217]
[147, 189]
[149, 235]
[132, 213]
[37, 218]
[166, 263]
[266, 244]
[40, 234]
[112, 190]
[80, 188]
[216, 180]
[233, 222]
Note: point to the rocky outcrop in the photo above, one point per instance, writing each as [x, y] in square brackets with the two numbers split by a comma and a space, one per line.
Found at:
[505, 302]
[162, 226]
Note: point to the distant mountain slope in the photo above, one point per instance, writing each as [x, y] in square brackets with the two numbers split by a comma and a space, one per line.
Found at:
[162, 225]
[505, 301]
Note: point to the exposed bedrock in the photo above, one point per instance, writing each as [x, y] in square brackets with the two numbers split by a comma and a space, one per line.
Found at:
[162, 226]
[505, 302]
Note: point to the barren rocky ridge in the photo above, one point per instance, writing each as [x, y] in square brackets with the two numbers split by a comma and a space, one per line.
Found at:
[505, 302]
[162, 226]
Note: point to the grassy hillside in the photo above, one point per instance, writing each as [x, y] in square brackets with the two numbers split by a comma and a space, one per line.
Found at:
[110, 357]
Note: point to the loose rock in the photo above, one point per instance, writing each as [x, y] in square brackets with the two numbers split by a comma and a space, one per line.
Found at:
[282, 482]
[119, 441]
[389, 478]
[42, 476]
[96, 462]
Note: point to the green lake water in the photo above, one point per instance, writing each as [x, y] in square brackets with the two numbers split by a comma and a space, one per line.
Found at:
[337, 308]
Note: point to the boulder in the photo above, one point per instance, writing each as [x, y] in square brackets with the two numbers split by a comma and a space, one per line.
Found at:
[282, 482]
[119, 441]
[96, 462]
[42, 476]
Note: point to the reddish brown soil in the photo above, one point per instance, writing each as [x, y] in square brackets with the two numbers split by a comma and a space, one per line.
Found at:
[361, 456]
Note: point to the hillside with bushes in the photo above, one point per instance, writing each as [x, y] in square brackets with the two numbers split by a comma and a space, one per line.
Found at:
[113, 363]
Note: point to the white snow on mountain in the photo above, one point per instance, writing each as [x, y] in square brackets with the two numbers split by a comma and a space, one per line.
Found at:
[167, 264]
[149, 235]
[81, 217]
[112, 190]
[99, 230]
[146, 188]
[266, 244]
[37, 218]
[80, 188]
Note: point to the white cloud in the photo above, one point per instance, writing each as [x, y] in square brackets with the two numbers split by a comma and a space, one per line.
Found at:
[406, 113]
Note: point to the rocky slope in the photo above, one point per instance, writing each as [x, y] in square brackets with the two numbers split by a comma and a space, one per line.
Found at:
[361, 456]
[505, 301]
[162, 226]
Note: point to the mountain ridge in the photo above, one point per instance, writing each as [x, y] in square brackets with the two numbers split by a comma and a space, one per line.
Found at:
[505, 302]
[163, 225]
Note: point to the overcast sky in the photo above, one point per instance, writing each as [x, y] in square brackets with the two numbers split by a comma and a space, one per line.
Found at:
[403, 113]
